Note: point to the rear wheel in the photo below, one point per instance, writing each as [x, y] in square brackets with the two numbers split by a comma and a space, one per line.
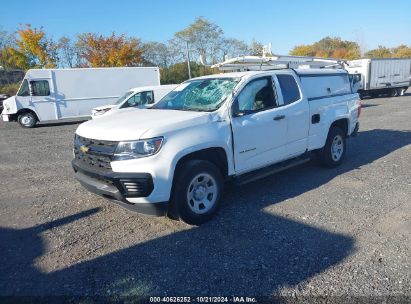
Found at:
[27, 119]
[333, 152]
[197, 191]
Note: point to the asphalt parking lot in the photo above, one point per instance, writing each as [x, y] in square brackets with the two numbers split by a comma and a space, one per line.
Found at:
[308, 231]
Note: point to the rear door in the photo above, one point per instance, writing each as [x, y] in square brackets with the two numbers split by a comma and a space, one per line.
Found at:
[259, 126]
[296, 110]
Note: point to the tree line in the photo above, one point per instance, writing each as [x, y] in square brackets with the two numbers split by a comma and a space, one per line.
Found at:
[31, 47]
[329, 47]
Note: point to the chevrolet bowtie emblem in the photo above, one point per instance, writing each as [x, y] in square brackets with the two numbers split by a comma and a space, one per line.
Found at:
[84, 149]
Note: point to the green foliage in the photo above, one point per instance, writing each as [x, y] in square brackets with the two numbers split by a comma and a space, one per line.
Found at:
[178, 72]
[401, 51]
[380, 52]
[329, 47]
[9, 89]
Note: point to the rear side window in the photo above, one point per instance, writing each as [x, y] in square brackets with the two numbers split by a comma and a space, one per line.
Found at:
[289, 88]
[40, 88]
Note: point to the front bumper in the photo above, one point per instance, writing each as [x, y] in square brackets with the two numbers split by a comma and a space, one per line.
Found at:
[117, 187]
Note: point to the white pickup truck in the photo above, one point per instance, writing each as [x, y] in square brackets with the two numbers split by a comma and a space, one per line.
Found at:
[175, 157]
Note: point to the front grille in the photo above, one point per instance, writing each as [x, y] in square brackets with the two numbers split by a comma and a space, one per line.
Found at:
[96, 154]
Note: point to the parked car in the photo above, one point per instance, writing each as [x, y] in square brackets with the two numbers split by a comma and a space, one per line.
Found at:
[55, 94]
[139, 97]
[2, 98]
[390, 76]
[175, 157]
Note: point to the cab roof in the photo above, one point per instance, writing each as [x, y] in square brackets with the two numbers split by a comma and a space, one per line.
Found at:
[151, 88]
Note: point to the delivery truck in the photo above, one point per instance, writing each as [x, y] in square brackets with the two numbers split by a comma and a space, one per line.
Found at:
[56, 94]
[389, 76]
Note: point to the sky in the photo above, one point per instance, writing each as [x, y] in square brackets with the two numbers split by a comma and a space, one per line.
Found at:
[284, 24]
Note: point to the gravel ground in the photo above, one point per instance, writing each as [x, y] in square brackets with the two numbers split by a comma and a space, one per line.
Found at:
[308, 231]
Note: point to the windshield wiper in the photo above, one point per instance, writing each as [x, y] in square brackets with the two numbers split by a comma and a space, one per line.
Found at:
[196, 110]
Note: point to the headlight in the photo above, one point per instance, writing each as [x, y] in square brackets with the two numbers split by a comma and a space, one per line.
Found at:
[137, 149]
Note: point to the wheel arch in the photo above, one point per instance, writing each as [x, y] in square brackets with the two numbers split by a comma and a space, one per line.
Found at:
[25, 110]
[215, 155]
[342, 123]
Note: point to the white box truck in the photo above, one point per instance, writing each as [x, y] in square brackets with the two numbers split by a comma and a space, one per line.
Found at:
[390, 76]
[55, 94]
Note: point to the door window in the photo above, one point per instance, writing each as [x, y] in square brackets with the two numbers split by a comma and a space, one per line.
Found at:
[258, 95]
[40, 88]
[24, 89]
[289, 88]
[139, 99]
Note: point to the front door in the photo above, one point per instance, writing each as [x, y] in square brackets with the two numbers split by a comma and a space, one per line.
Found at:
[259, 126]
[297, 114]
[42, 100]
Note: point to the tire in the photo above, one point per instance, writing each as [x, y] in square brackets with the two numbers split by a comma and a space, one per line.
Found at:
[333, 153]
[197, 192]
[27, 119]
[394, 93]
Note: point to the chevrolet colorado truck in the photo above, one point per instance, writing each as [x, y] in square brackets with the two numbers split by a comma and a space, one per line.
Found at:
[175, 157]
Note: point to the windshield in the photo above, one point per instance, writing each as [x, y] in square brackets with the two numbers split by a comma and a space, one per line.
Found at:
[24, 89]
[198, 95]
[124, 97]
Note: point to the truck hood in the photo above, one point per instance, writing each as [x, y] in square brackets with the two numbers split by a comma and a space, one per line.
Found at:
[134, 125]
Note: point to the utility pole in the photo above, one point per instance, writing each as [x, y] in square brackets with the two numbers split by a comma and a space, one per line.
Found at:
[188, 60]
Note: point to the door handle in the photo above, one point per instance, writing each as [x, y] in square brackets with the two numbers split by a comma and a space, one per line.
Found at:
[279, 117]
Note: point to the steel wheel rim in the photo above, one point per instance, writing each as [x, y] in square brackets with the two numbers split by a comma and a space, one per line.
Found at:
[27, 120]
[202, 193]
[337, 148]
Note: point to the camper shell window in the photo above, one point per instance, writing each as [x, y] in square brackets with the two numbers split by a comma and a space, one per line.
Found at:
[40, 88]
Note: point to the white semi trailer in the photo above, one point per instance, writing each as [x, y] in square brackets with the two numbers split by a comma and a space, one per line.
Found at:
[390, 76]
[55, 94]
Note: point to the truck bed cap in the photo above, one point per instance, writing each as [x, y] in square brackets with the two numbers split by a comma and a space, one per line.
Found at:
[319, 71]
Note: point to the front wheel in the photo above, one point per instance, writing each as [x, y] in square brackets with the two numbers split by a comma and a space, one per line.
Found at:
[197, 191]
[333, 152]
[27, 120]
